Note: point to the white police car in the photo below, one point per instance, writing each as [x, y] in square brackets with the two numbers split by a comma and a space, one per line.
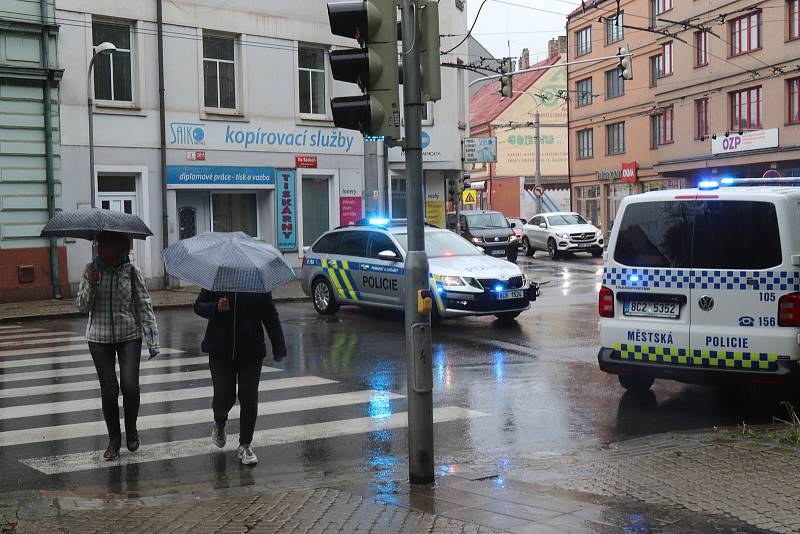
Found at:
[363, 265]
[703, 285]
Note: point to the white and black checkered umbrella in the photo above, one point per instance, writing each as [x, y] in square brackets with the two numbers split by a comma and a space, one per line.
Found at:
[222, 261]
[87, 223]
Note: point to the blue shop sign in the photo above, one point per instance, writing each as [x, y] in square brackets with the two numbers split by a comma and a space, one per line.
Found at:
[201, 176]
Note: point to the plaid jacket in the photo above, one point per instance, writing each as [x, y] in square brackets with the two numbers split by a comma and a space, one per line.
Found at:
[116, 313]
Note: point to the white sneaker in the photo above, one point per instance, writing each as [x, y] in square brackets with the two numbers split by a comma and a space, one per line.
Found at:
[247, 456]
[218, 435]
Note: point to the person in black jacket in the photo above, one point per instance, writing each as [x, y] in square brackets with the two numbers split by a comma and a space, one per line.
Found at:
[234, 341]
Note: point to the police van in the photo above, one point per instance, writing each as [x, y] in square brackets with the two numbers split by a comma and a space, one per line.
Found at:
[703, 286]
[363, 265]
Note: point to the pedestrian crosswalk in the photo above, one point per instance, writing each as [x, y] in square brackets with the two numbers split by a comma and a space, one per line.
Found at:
[51, 419]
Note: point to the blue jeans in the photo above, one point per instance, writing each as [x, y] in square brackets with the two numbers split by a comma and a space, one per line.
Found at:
[105, 356]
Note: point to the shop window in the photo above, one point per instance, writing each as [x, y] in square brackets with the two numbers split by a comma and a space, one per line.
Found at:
[398, 198]
[219, 71]
[614, 195]
[316, 207]
[583, 41]
[113, 72]
[584, 90]
[235, 212]
[745, 34]
[701, 49]
[746, 109]
[588, 202]
[311, 83]
[615, 30]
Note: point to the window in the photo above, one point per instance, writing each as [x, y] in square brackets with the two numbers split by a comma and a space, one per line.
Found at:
[615, 84]
[583, 41]
[311, 62]
[219, 71]
[615, 138]
[585, 144]
[666, 60]
[353, 244]
[656, 234]
[112, 72]
[701, 118]
[655, 69]
[746, 109]
[794, 100]
[328, 243]
[662, 124]
[701, 49]
[235, 212]
[794, 19]
[658, 7]
[588, 202]
[746, 34]
[378, 243]
[615, 31]
[584, 90]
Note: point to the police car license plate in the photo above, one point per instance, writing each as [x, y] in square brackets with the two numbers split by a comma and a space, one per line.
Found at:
[667, 310]
[508, 295]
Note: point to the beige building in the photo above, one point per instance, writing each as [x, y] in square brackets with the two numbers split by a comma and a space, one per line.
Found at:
[696, 108]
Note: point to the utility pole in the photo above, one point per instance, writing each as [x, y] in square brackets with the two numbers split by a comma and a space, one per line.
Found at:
[538, 176]
[418, 298]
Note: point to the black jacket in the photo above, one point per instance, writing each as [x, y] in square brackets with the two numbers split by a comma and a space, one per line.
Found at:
[251, 311]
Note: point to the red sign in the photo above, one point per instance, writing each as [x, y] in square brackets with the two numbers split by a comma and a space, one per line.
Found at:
[200, 155]
[538, 191]
[305, 162]
[629, 172]
[349, 210]
[772, 173]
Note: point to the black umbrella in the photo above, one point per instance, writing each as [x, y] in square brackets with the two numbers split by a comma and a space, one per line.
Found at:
[87, 223]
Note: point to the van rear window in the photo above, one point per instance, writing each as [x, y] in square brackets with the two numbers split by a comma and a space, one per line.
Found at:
[718, 234]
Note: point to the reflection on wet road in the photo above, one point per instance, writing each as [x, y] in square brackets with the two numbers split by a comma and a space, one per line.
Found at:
[504, 394]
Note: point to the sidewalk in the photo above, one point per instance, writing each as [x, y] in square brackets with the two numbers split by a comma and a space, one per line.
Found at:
[173, 298]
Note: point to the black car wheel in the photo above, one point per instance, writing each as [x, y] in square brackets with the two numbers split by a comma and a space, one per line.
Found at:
[636, 383]
[322, 295]
[597, 253]
[527, 249]
[511, 255]
[507, 317]
[552, 249]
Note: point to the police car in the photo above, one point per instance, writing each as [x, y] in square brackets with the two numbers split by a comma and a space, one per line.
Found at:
[363, 265]
[703, 285]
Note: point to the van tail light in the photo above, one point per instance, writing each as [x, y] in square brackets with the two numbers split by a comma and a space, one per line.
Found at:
[605, 304]
[789, 310]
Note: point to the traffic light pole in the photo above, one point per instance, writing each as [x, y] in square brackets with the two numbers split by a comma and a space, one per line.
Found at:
[417, 297]
[537, 180]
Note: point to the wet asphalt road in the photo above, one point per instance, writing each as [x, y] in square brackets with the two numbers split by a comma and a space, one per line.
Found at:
[505, 394]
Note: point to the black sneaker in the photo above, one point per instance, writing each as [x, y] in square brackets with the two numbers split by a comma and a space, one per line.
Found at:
[218, 435]
[132, 441]
[112, 451]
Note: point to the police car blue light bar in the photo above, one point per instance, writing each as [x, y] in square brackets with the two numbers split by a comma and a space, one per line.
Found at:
[727, 181]
[706, 185]
[378, 221]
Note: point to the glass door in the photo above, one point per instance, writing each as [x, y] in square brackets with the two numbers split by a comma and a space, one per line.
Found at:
[316, 207]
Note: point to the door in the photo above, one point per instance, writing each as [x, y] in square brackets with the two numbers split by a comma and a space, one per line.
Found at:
[187, 219]
[340, 266]
[124, 204]
[383, 279]
[316, 208]
[540, 234]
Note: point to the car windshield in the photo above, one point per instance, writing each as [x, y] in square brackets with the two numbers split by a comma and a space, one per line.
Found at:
[487, 220]
[566, 219]
[442, 244]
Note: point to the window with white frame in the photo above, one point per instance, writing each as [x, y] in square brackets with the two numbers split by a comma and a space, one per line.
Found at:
[666, 60]
[793, 88]
[658, 7]
[701, 48]
[311, 82]
[583, 41]
[701, 118]
[656, 64]
[219, 71]
[615, 84]
[746, 109]
[745, 33]
[585, 143]
[113, 75]
[662, 126]
[615, 31]
[794, 19]
[583, 88]
[615, 138]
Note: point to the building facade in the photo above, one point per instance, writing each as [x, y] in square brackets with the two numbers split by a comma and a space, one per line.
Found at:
[30, 267]
[696, 107]
[250, 143]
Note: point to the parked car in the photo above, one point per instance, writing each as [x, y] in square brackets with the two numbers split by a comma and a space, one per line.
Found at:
[559, 233]
[488, 230]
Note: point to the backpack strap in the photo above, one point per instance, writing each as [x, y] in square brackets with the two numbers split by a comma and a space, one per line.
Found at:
[133, 294]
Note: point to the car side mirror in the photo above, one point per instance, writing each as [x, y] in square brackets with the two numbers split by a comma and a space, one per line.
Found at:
[589, 221]
[542, 225]
[388, 255]
[513, 225]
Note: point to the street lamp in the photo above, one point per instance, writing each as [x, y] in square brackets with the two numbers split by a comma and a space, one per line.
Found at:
[102, 48]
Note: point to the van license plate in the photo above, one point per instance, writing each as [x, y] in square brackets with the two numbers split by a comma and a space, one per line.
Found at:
[668, 310]
[508, 295]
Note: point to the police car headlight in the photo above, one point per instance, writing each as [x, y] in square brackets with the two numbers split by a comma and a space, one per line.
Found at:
[477, 239]
[450, 281]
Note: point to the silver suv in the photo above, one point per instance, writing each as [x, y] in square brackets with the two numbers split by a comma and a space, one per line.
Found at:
[559, 233]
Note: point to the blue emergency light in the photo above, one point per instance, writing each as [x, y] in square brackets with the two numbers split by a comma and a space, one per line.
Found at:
[378, 221]
[706, 185]
[727, 181]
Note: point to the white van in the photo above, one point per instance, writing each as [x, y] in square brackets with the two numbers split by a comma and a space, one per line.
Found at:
[702, 286]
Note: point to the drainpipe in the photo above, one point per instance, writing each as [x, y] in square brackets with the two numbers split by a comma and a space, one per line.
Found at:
[55, 276]
[163, 125]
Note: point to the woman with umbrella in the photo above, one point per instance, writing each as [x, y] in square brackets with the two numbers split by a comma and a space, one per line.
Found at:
[114, 295]
[238, 274]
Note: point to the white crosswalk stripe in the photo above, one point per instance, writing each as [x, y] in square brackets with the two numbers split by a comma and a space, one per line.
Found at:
[24, 335]
[42, 350]
[15, 327]
[26, 342]
[71, 358]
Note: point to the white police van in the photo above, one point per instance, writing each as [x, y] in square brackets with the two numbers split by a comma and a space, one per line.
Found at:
[703, 286]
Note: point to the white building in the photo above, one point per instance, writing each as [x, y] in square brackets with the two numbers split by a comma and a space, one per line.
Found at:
[250, 141]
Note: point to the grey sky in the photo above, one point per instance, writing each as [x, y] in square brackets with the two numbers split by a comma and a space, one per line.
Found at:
[526, 23]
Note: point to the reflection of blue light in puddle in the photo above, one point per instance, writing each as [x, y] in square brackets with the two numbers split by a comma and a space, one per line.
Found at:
[439, 356]
[636, 524]
[499, 482]
[499, 365]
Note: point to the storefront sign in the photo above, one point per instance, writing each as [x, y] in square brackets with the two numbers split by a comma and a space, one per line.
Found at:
[609, 175]
[435, 213]
[305, 162]
[755, 140]
[350, 211]
[287, 211]
[480, 150]
[201, 176]
[629, 172]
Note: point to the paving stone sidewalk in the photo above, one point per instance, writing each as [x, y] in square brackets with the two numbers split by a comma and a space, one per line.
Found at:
[173, 298]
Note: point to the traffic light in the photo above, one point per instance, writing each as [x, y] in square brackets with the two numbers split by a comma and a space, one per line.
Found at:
[373, 23]
[625, 63]
[506, 88]
[429, 56]
[452, 190]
